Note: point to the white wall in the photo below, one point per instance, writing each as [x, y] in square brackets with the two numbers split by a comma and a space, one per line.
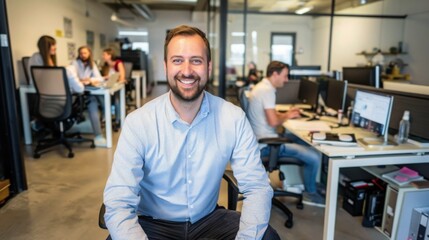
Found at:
[416, 37]
[264, 25]
[28, 20]
[354, 35]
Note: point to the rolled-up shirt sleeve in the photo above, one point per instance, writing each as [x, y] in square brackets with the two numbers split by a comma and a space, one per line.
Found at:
[121, 194]
[253, 183]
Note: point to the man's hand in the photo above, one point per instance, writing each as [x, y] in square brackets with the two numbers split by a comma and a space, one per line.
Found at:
[293, 113]
[86, 81]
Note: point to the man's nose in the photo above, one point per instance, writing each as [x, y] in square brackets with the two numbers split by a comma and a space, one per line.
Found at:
[186, 68]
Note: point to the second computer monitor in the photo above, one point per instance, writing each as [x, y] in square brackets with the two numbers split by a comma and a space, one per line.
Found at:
[309, 92]
[370, 76]
[336, 94]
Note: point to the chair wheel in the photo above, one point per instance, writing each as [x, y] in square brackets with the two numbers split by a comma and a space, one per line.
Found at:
[70, 155]
[92, 145]
[36, 155]
[289, 224]
[300, 205]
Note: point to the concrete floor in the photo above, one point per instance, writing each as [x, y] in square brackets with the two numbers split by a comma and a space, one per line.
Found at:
[64, 197]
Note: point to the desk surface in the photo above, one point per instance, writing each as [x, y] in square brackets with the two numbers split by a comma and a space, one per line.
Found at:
[344, 157]
[360, 150]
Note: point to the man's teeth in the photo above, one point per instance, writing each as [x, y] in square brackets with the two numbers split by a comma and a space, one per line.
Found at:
[187, 81]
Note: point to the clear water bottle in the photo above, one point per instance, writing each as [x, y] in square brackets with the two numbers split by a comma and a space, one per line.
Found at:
[404, 128]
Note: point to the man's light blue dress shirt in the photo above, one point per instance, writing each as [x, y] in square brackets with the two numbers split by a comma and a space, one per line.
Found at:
[168, 169]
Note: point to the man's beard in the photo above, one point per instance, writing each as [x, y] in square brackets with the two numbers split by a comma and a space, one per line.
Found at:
[181, 94]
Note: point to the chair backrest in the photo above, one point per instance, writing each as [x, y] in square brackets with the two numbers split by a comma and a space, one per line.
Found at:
[128, 69]
[24, 62]
[243, 98]
[54, 99]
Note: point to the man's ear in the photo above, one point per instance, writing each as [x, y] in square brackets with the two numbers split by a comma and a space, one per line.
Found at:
[165, 68]
[210, 68]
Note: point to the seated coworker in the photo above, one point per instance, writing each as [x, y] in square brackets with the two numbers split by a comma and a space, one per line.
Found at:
[264, 119]
[172, 153]
[112, 64]
[47, 56]
[88, 74]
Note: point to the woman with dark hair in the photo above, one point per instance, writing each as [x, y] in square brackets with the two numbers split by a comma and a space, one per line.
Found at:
[47, 56]
[112, 64]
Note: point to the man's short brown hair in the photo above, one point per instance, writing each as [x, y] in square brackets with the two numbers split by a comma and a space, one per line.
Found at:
[184, 30]
[276, 66]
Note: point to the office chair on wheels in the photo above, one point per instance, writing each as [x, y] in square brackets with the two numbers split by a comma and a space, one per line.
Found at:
[272, 163]
[56, 109]
[130, 86]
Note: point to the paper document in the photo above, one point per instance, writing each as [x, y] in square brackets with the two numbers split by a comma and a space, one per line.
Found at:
[308, 125]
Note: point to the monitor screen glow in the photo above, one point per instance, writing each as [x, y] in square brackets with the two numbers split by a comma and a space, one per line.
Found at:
[372, 111]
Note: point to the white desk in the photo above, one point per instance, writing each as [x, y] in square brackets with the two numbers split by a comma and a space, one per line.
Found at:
[24, 89]
[358, 157]
[140, 77]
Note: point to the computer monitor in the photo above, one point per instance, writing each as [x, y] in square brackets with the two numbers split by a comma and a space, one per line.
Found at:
[372, 111]
[336, 94]
[309, 92]
[370, 76]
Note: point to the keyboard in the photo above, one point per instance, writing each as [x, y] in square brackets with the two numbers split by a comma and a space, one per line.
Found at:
[307, 114]
[286, 107]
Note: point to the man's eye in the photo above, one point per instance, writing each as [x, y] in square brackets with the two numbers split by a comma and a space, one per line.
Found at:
[177, 61]
[196, 61]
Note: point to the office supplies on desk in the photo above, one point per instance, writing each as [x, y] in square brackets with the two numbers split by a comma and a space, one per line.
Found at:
[111, 81]
[403, 176]
[343, 139]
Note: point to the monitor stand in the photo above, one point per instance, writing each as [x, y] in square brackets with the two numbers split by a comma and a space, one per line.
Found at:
[378, 141]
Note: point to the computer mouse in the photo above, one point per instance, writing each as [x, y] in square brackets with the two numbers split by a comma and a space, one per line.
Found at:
[319, 136]
[345, 137]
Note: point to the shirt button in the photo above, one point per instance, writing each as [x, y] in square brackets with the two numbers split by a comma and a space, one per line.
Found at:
[190, 181]
[191, 206]
[189, 156]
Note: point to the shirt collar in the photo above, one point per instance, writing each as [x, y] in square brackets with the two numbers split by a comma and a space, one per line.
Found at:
[173, 116]
[268, 83]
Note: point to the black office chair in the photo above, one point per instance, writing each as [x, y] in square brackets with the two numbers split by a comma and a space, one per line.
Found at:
[130, 86]
[272, 163]
[56, 109]
[24, 61]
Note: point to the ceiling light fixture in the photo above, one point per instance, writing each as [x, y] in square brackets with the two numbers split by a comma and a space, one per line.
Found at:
[304, 10]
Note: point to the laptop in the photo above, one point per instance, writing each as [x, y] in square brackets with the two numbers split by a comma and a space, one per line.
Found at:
[111, 81]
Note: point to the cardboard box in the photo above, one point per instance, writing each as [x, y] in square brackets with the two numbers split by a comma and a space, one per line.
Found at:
[4, 189]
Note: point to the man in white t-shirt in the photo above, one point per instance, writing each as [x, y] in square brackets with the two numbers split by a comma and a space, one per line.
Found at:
[264, 119]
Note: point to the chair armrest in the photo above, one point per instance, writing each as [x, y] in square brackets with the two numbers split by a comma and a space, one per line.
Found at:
[275, 140]
[233, 191]
[101, 222]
